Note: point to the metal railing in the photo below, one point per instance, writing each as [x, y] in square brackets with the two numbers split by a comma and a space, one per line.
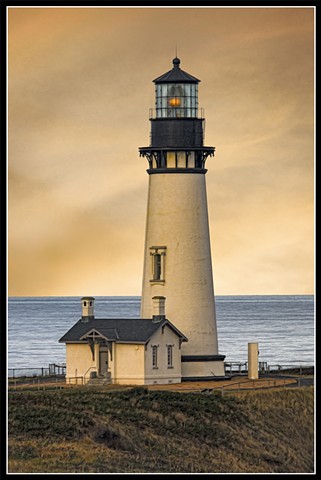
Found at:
[75, 381]
[91, 371]
[242, 367]
[52, 369]
[297, 369]
[37, 383]
[254, 385]
[177, 112]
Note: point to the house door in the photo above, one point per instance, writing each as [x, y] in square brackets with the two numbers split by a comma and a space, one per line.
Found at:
[103, 361]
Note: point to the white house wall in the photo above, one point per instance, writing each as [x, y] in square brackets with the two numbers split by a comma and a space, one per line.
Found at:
[162, 374]
[80, 362]
[128, 364]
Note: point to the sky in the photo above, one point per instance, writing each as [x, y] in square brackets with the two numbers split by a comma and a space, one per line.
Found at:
[79, 92]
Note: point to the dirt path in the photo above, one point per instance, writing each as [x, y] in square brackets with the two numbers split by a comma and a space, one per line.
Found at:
[234, 383]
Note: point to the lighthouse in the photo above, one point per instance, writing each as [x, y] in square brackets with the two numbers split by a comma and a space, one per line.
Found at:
[177, 256]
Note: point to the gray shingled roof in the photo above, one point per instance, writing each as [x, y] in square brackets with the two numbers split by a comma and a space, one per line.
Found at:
[121, 330]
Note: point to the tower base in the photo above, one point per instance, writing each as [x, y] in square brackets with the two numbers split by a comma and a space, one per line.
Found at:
[202, 367]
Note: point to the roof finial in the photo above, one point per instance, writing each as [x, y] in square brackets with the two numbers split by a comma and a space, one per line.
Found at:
[176, 62]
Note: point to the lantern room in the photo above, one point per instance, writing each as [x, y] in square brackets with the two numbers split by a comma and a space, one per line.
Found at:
[176, 94]
[177, 125]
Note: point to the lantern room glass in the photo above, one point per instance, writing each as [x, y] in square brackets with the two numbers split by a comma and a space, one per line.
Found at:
[176, 100]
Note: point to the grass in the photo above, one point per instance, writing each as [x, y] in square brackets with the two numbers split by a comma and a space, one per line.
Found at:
[138, 430]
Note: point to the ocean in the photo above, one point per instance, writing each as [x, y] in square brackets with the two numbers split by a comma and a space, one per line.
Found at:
[283, 325]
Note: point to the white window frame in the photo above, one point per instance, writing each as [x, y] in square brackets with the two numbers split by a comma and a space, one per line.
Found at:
[155, 356]
[169, 355]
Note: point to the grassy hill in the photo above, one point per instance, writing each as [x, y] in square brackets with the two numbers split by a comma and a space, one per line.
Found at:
[95, 430]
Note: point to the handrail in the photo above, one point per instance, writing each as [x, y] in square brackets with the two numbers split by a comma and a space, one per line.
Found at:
[91, 368]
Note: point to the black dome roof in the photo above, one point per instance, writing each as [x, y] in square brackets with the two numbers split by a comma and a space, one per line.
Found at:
[176, 75]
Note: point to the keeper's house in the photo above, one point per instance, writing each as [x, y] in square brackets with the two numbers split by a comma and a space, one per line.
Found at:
[132, 351]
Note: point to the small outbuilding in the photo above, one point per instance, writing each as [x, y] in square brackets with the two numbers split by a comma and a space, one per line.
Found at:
[132, 351]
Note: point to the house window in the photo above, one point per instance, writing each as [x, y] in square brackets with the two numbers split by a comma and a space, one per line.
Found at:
[157, 264]
[154, 356]
[169, 356]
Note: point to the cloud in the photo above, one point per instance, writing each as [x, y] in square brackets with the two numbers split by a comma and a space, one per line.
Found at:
[80, 87]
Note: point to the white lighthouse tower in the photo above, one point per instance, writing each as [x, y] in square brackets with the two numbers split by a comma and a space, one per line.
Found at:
[177, 258]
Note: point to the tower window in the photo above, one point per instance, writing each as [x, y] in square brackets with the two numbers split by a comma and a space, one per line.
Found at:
[157, 264]
[85, 304]
[169, 356]
[90, 304]
[154, 356]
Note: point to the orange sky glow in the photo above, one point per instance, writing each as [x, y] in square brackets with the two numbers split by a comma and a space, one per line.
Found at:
[80, 89]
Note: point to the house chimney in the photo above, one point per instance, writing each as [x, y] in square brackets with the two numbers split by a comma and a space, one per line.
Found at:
[87, 308]
[158, 308]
